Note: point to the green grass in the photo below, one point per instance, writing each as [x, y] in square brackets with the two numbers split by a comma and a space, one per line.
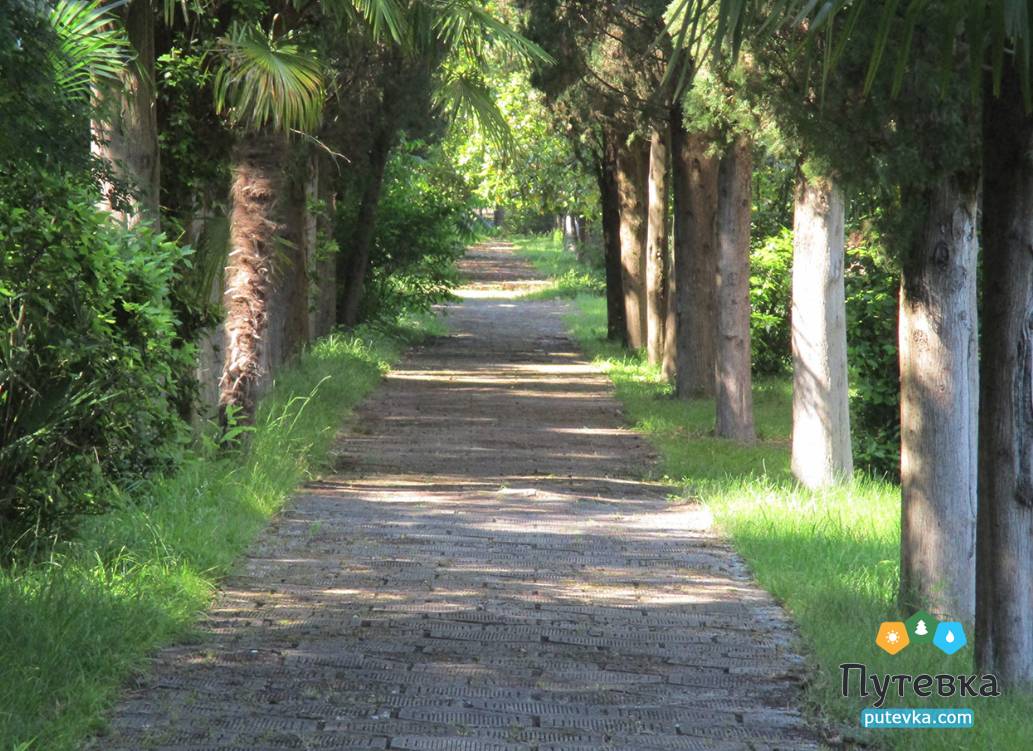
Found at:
[568, 277]
[831, 557]
[74, 628]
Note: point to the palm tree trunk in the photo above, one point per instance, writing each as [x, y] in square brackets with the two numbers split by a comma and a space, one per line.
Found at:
[1004, 555]
[821, 452]
[734, 401]
[694, 182]
[358, 256]
[633, 196]
[256, 228]
[129, 142]
[656, 247]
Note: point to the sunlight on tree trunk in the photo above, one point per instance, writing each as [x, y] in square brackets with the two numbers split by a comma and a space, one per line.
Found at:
[256, 225]
[633, 195]
[734, 379]
[939, 383]
[694, 182]
[127, 138]
[1004, 611]
[656, 247]
[821, 452]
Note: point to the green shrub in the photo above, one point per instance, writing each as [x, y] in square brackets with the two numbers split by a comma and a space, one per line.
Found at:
[771, 286]
[872, 284]
[424, 221]
[87, 352]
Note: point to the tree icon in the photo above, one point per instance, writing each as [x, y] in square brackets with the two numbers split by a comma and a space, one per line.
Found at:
[921, 629]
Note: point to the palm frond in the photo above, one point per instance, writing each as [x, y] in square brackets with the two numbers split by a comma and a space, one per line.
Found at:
[265, 82]
[463, 95]
[387, 19]
[93, 48]
[464, 25]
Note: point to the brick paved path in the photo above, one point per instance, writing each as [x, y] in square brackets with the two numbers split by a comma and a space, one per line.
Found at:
[485, 572]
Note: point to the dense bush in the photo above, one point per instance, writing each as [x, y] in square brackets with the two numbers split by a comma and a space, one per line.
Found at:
[87, 351]
[771, 286]
[872, 285]
[871, 302]
[424, 221]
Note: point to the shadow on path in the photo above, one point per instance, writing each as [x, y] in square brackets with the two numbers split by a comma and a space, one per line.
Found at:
[487, 571]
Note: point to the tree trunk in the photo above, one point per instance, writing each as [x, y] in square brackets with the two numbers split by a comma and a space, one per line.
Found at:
[358, 258]
[128, 138]
[569, 233]
[694, 182]
[939, 381]
[616, 329]
[287, 328]
[633, 195]
[734, 400]
[1004, 610]
[256, 228]
[324, 308]
[669, 362]
[821, 453]
[656, 248]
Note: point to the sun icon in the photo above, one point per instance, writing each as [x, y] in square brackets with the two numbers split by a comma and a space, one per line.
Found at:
[892, 637]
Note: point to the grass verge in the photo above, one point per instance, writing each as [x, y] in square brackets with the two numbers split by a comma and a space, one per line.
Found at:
[831, 557]
[568, 276]
[74, 627]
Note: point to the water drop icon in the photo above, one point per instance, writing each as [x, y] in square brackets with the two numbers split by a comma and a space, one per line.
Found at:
[949, 638]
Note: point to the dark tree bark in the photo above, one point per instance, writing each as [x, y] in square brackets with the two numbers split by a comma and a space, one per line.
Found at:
[358, 255]
[939, 382]
[656, 247]
[324, 306]
[734, 398]
[633, 196]
[616, 328]
[129, 142]
[1004, 609]
[694, 182]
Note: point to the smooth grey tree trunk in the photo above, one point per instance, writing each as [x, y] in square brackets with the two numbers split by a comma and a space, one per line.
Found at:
[939, 382]
[821, 451]
[127, 136]
[633, 199]
[1004, 609]
[734, 397]
[656, 248]
[694, 186]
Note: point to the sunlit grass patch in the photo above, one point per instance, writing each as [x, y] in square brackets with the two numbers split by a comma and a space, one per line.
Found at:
[74, 627]
[568, 277]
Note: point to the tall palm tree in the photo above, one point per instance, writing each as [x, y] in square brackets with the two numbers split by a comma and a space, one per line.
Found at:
[271, 86]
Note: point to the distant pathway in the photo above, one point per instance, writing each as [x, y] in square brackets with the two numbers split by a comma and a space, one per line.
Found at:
[486, 572]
